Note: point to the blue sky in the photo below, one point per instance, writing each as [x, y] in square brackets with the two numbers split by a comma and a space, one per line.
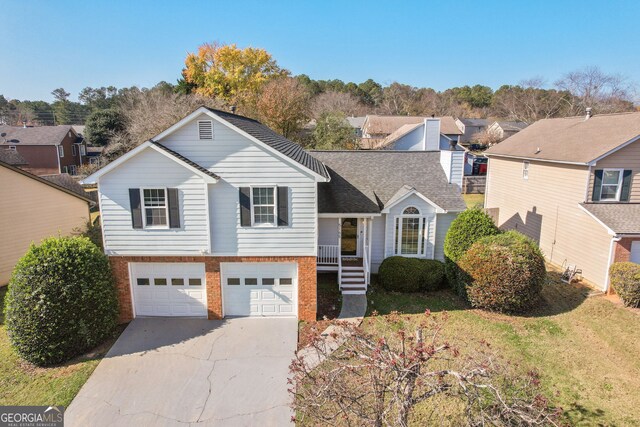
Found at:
[439, 44]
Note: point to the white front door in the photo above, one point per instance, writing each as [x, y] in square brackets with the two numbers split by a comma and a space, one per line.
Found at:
[635, 252]
[169, 289]
[259, 288]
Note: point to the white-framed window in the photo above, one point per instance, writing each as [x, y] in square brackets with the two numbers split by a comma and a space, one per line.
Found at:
[611, 184]
[263, 206]
[205, 129]
[65, 169]
[72, 170]
[155, 207]
[12, 147]
[74, 150]
[60, 151]
[94, 160]
[83, 150]
[409, 231]
[525, 170]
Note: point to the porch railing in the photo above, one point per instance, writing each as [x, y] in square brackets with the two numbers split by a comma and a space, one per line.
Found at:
[365, 263]
[329, 254]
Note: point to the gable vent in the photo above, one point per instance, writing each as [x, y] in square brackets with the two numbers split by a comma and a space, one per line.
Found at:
[205, 129]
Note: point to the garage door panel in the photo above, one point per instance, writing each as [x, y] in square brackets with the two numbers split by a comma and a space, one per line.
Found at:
[169, 289]
[255, 289]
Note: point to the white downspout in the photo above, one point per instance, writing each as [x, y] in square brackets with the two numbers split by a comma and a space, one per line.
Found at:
[614, 240]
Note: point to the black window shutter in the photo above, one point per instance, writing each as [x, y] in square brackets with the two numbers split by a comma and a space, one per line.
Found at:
[245, 206]
[174, 207]
[283, 206]
[136, 209]
[597, 186]
[625, 193]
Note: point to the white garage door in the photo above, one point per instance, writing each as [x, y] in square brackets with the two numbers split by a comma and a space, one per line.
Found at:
[259, 289]
[635, 252]
[169, 289]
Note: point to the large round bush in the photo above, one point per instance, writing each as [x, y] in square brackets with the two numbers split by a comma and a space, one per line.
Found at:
[465, 230]
[625, 280]
[503, 273]
[61, 300]
[403, 274]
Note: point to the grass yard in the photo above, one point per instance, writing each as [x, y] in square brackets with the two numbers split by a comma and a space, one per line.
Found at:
[473, 200]
[586, 349]
[329, 305]
[24, 384]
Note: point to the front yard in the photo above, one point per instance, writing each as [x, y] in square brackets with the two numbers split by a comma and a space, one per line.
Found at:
[585, 348]
[24, 384]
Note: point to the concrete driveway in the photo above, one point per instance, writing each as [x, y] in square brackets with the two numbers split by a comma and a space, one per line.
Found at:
[179, 372]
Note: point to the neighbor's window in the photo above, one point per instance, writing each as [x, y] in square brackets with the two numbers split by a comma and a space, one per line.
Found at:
[409, 233]
[74, 150]
[60, 151]
[83, 150]
[525, 170]
[155, 207]
[263, 205]
[611, 184]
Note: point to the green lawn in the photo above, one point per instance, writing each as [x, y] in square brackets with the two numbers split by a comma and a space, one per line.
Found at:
[473, 200]
[24, 384]
[586, 349]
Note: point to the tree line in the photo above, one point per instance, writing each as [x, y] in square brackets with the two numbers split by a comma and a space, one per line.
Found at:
[312, 112]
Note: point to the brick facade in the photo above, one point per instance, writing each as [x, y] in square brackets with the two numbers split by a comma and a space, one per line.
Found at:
[622, 251]
[306, 281]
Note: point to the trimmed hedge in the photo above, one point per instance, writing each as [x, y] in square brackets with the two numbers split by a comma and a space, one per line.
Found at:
[61, 301]
[465, 230]
[503, 273]
[625, 280]
[404, 274]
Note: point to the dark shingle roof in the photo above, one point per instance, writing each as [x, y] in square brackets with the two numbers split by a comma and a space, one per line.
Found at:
[66, 181]
[364, 181]
[622, 218]
[474, 122]
[12, 157]
[184, 159]
[40, 135]
[274, 140]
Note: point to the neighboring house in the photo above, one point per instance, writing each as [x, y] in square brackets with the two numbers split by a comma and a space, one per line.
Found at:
[376, 128]
[356, 123]
[470, 128]
[47, 149]
[32, 209]
[573, 185]
[503, 130]
[220, 216]
[93, 154]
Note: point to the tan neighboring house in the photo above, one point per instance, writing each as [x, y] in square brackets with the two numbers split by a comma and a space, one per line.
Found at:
[503, 130]
[573, 185]
[34, 208]
[376, 129]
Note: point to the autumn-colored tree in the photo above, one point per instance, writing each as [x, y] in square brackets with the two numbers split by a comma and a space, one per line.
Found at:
[229, 73]
[283, 105]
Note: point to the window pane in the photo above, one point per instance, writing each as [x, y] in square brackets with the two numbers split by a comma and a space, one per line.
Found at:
[268, 282]
[195, 282]
[610, 177]
[160, 282]
[142, 282]
[154, 197]
[233, 281]
[411, 211]
[397, 235]
[609, 192]
[177, 282]
[422, 239]
[286, 281]
[156, 216]
[250, 281]
[263, 215]
[410, 235]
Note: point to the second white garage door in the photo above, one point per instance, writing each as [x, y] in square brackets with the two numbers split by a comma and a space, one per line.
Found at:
[259, 288]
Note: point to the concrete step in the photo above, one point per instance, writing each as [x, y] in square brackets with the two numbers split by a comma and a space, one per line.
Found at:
[352, 273]
[352, 268]
[349, 280]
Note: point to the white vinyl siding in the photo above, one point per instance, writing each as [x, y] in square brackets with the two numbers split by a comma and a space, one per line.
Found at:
[242, 163]
[377, 242]
[151, 169]
[443, 222]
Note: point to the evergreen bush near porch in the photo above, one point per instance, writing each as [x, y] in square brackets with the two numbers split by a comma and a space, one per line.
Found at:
[402, 274]
[61, 300]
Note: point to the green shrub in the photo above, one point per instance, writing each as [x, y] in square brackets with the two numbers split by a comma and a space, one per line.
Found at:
[625, 280]
[61, 300]
[503, 273]
[403, 274]
[465, 230]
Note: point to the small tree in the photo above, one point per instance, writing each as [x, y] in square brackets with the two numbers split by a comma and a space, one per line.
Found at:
[379, 378]
[503, 273]
[333, 132]
[102, 125]
[283, 105]
[61, 300]
[625, 280]
[465, 230]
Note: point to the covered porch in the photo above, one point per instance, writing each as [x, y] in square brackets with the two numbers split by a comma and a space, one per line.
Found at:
[344, 246]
